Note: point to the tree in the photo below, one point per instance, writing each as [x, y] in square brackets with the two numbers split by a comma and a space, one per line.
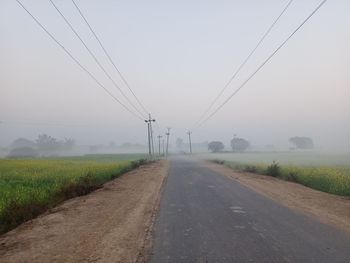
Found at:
[216, 146]
[302, 142]
[21, 143]
[239, 144]
[68, 144]
[47, 145]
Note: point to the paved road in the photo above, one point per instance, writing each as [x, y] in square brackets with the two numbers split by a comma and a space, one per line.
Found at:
[206, 217]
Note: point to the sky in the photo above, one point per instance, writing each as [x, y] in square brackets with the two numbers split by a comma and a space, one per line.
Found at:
[177, 56]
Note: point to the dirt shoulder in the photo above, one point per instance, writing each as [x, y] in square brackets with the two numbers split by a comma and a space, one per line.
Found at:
[328, 209]
[111, 224]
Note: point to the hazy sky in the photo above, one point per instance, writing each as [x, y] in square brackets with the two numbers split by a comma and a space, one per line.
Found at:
[177, 56]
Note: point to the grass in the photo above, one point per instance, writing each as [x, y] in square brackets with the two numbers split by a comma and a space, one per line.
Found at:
[333, 180]
[31, 186]
[292, 158]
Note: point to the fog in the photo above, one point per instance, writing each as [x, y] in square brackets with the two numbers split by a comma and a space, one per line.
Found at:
[177, 56]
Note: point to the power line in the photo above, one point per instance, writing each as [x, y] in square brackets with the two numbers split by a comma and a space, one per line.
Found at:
[94, 57]
[263, 64]
[245, 61]
[76, 61]
[108, 56]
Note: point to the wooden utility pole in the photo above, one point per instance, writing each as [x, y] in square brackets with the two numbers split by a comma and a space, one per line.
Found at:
[150, 135]
[152, 140]
[149, 139]
[189, 139]
[167, 142]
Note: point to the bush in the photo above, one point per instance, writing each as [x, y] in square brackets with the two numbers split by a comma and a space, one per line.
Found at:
[250, 169]
[292, 176]
[137, 163]
[273, 169]
[17, 212]
[218, 161]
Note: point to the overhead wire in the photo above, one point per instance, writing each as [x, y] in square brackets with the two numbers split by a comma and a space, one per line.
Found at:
[77, 61]
[94, 57]
[245, 61]
[263, 64]
[109, 57]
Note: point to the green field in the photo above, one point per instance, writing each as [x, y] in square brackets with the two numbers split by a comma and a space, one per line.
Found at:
[285, 158]
[325, 172]
[30, 186]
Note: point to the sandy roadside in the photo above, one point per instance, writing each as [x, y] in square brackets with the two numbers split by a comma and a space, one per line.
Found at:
[328, 209]
[111, 224]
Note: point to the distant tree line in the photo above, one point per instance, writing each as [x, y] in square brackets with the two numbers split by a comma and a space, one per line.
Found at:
[44, 145]
[239, 145]
[303, 143]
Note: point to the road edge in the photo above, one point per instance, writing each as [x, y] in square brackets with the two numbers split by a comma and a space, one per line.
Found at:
[146, 249]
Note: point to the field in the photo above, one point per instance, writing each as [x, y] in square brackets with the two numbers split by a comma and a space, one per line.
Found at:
[325, 172]
[308, 159]
[28, 187]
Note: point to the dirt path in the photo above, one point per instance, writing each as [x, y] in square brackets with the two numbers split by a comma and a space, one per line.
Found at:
[111, 224]
[327, 208]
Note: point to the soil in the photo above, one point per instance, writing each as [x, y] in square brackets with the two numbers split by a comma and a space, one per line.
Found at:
[326, 208]
[112, 224]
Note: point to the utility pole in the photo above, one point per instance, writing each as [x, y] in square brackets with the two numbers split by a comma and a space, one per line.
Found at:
[167, 142]
[159, 136]
[189, 139]
[152, 140]
[150, 136]
[163, 147]
[149, 139]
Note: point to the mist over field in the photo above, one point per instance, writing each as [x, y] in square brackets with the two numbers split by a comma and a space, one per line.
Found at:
[177, 56]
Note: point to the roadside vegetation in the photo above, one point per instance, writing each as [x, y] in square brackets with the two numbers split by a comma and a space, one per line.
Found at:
[289, 158]
[28, 187]
[334, 180]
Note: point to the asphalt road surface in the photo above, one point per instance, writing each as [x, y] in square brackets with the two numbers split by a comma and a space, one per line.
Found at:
[206, 217]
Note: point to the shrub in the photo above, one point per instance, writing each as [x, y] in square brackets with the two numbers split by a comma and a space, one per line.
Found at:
[218, 161]
[17, 212]
[250, 169]
[292, 176]
[273, 169]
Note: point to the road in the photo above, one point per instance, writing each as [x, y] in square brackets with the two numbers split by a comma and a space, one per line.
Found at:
[207, 217]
